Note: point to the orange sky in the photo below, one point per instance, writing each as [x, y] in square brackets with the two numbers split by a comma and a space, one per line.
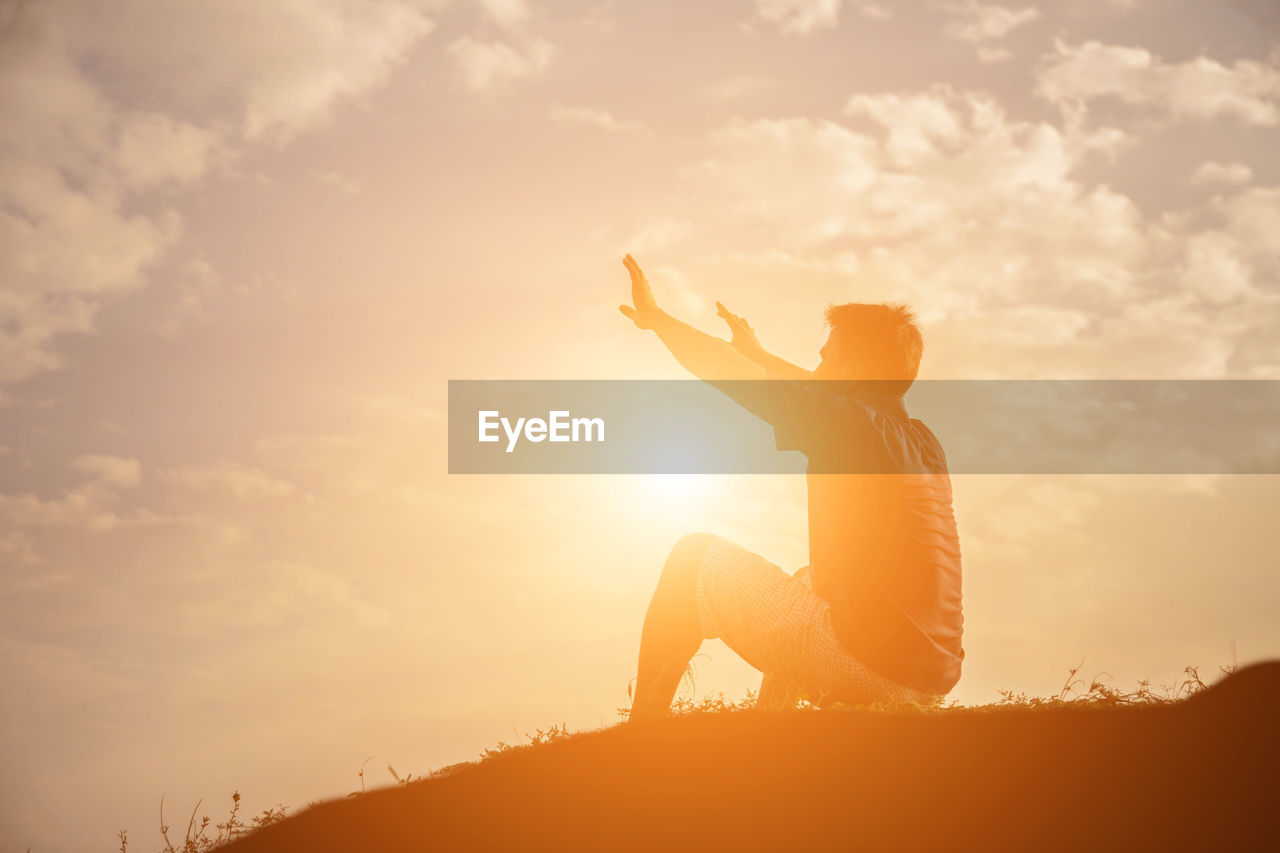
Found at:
[243, 246]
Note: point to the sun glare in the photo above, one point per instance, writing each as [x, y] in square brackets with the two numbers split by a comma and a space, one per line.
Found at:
[673, 493]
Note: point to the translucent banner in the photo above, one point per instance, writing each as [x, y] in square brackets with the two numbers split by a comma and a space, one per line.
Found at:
[984, 426]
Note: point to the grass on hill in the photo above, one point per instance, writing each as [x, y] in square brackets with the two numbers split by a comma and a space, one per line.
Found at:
[204, 836]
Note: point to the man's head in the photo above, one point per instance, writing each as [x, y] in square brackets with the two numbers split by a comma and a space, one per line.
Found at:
[879, 342]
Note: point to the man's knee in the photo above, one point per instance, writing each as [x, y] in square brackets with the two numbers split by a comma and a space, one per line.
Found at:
[676, 596]
[680, 573]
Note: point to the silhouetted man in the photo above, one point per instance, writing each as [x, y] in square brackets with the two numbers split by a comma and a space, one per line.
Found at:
[876, 616]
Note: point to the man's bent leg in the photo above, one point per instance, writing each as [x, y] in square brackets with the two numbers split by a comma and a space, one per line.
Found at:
[671, 635]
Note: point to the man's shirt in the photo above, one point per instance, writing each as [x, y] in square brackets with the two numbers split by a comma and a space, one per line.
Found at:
[883, 544]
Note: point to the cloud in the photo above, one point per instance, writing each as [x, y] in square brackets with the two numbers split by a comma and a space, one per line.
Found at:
[489, 66]
[292, 61]
[90, 505]
[677, 289]
[1232, 263]
[111, 470]
[799, 17]
[796, 173]
[192, 279]
[506, 13]
[16, 549]
[1212, 172]
[1201, 88]
[659, 234]
[600, 119]
[840, 264]
[336, 52]
[1043, 507]
[978, 22]
[153, 149]
[166, 103]
[985, 221]
[990, 54]
[916, 123]
[69, 244]
[240, 481]
[738, 86]
[343, 184]
[981, 25]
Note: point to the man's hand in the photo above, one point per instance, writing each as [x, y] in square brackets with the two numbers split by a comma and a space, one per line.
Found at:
[746, 344]
[744, 337]
[644, 310]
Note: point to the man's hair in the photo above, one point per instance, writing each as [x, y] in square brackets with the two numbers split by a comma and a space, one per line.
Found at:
[884, 337]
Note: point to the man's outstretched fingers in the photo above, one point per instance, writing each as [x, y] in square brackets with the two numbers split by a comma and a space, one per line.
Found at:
[637, 277]
[735, 322]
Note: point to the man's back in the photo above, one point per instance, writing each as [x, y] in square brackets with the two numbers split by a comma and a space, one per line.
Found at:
[883, 543]
[885, 551]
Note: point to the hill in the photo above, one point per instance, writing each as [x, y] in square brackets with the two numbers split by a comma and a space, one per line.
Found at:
[1198, 774]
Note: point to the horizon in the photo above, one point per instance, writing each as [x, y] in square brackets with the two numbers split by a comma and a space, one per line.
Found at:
[244, 248]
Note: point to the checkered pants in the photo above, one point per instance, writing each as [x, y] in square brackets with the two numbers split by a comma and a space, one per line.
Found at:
[780, 626]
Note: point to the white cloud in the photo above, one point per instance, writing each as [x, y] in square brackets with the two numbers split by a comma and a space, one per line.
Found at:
[154, 149]
[76, 150]
[1200, 88]
[989, 54]
[1212, 172]
[738, 86]
[334, 53]
[506, 13]
[90, 505]
[240, 481]
[982, 25]
[68, 244]
[797, 175]
[1036, 511]
[916, 123]
[979, 22]
[600, 119]
[838, 264]
[1214, 269]
[488, 66]
[658, 235]
[111, 470]
[340, 182]
[800, 17]
[1232, 265]
[193, 278]
[16, 549]
[1251, 216]
[678, 290]
[292, 60]
[984, 221]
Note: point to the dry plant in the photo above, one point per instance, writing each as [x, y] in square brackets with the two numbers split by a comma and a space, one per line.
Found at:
[197, 838]
[1075, 692]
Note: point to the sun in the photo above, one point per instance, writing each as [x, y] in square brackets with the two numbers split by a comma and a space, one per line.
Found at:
[674, 494]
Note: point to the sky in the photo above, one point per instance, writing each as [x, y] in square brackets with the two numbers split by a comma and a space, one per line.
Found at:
[244, 246]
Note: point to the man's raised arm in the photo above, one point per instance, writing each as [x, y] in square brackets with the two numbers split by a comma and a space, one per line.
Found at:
[705, 356]
[746, 342]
